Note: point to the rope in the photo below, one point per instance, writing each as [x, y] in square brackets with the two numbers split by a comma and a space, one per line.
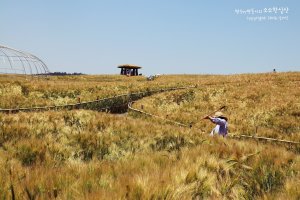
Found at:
[155, 116]
[232, 136]
[265, 138]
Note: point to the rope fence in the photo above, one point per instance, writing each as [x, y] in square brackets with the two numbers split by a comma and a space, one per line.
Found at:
[125, 102]
[264, 138]
[155, 116]
[100, 104]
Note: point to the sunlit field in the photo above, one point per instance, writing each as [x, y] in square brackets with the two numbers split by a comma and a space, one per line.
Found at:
[86, 154]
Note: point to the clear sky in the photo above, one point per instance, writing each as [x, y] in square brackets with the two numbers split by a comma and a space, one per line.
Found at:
[162, 36]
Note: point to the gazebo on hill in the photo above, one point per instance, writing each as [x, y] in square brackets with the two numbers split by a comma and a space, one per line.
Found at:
[130, 70]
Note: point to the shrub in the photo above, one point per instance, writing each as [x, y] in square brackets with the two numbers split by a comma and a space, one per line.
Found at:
[30, 154]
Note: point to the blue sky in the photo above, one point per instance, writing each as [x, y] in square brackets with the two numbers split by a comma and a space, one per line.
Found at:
[166, 37]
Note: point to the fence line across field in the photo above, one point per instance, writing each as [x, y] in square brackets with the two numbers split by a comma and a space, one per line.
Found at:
[265, 138]
[129, 96]
[156, 116]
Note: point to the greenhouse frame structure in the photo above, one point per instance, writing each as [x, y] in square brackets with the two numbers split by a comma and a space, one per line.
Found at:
[13, 61]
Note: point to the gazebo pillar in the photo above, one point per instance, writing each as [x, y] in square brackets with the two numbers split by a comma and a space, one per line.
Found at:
[123, 71]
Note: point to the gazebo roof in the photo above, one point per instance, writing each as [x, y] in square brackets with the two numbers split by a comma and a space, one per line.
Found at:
[129, 66]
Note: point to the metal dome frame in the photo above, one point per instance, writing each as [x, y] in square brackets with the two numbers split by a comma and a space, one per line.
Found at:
[13, 61]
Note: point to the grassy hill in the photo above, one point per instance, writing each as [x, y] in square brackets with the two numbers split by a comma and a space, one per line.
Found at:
[84, 154]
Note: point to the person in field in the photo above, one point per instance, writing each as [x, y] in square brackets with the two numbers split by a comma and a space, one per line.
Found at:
[221, 124]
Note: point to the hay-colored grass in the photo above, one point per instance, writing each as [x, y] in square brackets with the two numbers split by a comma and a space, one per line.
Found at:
[84, 154]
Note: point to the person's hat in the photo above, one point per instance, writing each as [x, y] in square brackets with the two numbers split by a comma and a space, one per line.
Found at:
[219, 114]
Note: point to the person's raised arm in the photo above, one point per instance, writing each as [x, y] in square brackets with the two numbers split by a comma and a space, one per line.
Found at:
[209, 117]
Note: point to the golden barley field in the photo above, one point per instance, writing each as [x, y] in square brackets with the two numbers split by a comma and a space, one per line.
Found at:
[87, 154]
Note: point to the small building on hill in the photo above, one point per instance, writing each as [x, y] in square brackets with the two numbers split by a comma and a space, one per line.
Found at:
[129, 70]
